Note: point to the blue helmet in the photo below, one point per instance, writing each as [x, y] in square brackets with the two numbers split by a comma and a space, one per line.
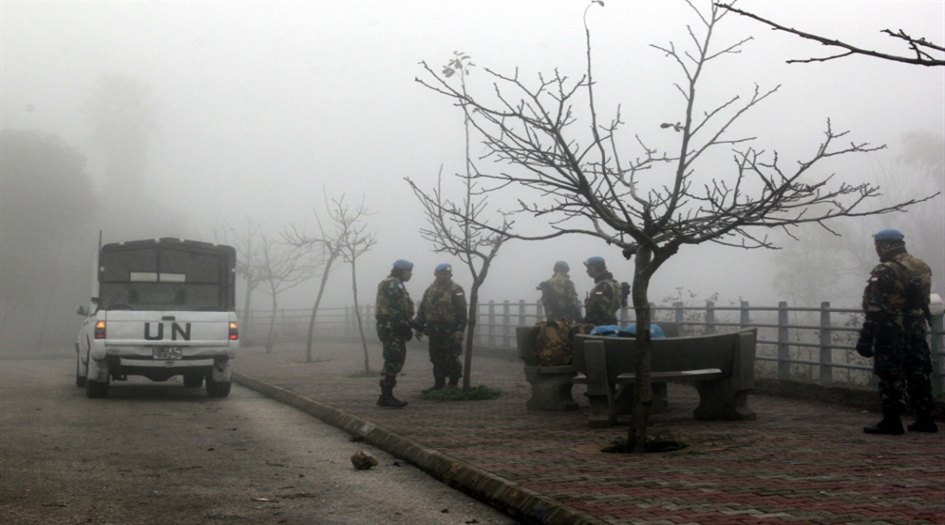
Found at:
[401, 264]
[562, 265]
[889, 235]
[445, 267]
[594, 260]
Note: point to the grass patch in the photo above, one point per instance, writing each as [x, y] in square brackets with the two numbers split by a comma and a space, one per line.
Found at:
[452, 393]
[661, 442]
[362, 373]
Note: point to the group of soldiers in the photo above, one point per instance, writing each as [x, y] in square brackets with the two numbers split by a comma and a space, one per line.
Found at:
[442, 316]
[895, 301]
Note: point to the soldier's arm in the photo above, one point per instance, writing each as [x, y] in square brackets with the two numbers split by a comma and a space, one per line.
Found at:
[395, 301]
[879, 289]
[459, 304]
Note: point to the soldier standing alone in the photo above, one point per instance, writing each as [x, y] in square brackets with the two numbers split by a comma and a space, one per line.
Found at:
[559, 297]
[394, 320]
[896, 302]
[442, 317]
[605, 298]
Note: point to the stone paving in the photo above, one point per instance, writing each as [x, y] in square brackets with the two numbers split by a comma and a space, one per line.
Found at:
[799, 462]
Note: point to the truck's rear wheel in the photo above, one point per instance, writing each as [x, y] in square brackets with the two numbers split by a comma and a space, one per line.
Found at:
[96, 389]
[217, 389]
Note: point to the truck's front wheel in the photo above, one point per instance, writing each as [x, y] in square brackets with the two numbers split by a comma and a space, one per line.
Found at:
[218, 389]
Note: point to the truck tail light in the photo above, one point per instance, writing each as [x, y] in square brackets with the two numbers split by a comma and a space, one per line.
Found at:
[100, 330]
[234, 332]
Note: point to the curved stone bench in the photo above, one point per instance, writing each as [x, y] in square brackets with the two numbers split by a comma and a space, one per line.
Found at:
[720, 366]
[551, 385]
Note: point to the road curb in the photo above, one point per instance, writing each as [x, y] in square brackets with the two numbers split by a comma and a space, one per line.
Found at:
[516, 501]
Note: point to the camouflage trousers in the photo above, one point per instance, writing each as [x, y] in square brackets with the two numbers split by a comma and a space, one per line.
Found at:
[903, 365]
[395, 353]
[445, 351]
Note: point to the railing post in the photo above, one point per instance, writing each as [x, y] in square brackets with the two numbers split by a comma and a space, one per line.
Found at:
[492, 324]
[477, 339]
[506, 325]
[624, 319]
[744, 315]
[784, 347]
[710, 317]
[539, 312]
[679, 317]
[826, 352]
[521, 313]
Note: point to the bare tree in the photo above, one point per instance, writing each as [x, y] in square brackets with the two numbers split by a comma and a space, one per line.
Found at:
[922, 52]
[458, 228]
[331, 241]
[283, 268]
[652, 204]
[356, 242]
[245, 243]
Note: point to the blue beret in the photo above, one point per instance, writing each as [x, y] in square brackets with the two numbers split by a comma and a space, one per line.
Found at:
[889, 235]
[563, 265]
[594, 260]
[445, 267]
[401, 264]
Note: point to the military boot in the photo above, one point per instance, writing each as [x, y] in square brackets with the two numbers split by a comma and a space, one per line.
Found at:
[924, 423]
[891, 424]
[388, 400]
[438, 384]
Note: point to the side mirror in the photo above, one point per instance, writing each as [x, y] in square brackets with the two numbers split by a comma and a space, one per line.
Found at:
[82, 310]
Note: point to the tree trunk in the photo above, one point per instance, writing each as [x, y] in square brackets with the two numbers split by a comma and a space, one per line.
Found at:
[357, 315]
[244, 329]
[636, 437]
[470, 332]
[270, 337]
[318, 301]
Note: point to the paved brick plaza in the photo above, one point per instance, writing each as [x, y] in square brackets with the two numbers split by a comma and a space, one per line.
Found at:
[799, 462]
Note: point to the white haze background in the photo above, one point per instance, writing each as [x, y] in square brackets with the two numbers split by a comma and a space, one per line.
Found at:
[262, 105]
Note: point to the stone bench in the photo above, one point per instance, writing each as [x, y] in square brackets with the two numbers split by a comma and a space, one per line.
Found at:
[720, 366]
[551, 385]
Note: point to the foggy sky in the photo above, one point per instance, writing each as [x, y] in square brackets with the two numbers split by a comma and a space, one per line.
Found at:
[262, 105]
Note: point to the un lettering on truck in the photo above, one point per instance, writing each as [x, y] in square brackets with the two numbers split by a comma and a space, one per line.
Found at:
[160, 308]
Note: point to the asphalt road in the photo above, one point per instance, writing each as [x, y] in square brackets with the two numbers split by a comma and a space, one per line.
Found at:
[158, 453]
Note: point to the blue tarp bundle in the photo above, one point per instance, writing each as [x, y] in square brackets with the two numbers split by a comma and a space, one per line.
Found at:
[628, 331]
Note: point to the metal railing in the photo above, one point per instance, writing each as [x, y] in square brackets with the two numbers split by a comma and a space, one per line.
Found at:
[807, 343]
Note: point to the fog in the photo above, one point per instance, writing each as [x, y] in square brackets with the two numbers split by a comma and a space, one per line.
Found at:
[259, 109]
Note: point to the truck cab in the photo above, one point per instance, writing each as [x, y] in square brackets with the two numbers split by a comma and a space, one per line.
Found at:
[160, 308]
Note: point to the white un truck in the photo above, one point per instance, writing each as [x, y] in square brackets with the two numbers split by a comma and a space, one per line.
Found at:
[160, 308]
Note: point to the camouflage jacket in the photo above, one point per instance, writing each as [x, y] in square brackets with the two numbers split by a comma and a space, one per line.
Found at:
[887, 293]
[394, 306]
[560, 299]
[603, 301]
[443, 304]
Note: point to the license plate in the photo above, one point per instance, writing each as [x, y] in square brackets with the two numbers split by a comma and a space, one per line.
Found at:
[168, 352]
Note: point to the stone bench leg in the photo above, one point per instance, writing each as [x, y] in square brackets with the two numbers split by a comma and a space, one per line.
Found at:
[603, 411]
[721, 400]
[550, 391]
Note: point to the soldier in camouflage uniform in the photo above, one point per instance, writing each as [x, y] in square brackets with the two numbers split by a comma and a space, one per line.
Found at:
[604, 299]
[896, 302]
[394, 320]
[559, 296]
[442, 317]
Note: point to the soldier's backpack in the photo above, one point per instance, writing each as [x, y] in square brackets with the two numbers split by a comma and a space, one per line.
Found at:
[553, 341]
